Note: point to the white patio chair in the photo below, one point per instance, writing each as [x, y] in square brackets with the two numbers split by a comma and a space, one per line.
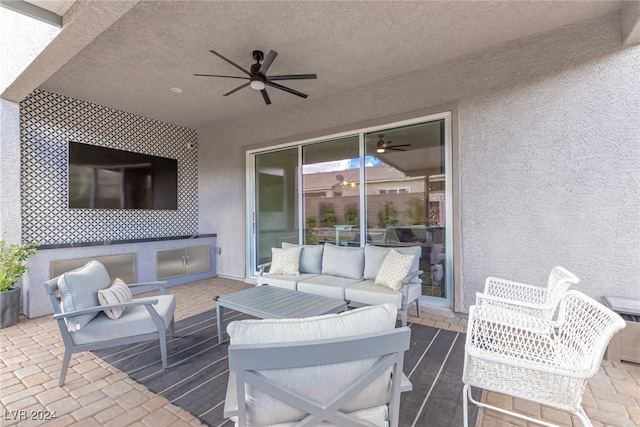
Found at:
[544, 361]
[534, 300]
[345, 369]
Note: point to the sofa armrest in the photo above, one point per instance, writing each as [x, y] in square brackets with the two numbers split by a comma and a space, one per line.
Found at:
[262, 268]
[411, 276]
[145, 301]
[160, 285]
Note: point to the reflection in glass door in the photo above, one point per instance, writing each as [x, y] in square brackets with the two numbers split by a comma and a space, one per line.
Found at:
[331, 192]
[405, 197]
[275, 209]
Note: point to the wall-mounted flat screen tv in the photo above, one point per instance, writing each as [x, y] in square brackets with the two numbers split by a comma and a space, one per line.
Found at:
[106, 178]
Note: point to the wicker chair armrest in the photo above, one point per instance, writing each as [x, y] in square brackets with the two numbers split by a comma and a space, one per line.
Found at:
[515, 291]
[483, 299]
[146, 301]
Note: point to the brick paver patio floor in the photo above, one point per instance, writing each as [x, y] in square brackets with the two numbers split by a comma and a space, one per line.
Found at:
[97, 394]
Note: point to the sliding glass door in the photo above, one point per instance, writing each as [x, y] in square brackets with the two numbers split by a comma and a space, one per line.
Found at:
[391, 181]
[275, 214]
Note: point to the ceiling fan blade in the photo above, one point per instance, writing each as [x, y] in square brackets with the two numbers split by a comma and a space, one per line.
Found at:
[395, 149]
[236, 89]
[265, 95]
[231, 62]
[293, 77]
[267, 62]
[217, 75]
[399, 145]
[286, 89]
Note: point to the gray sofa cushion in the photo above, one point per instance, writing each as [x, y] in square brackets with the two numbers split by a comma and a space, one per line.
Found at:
[374, 257]
[367, 292]
[310, 258]
[328, 286]
[79, 290]
[317, 382]
[135, 320]
[283, 281]
[343, 261]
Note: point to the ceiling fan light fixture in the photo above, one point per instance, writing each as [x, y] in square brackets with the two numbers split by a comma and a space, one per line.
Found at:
[258, 85]
[380, 150]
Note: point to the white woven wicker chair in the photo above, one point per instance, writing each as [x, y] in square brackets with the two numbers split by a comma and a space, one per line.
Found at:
[540, 360]
[534, 300]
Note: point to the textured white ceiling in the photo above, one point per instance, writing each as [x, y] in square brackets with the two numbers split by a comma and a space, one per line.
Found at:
[133, 64]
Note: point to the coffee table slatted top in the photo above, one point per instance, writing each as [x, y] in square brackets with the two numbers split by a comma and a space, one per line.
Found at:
[269, 302]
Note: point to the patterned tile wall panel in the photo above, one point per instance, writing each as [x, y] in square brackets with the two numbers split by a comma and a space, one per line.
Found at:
[48, 122]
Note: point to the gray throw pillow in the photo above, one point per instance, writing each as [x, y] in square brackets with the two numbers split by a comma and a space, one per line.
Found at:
[79, 289]
[343, 261]
[310, 258]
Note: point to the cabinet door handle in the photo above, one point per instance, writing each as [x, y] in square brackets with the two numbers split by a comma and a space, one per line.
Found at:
[186, 258]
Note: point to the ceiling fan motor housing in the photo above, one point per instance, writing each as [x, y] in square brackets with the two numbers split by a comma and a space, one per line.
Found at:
[257, 55]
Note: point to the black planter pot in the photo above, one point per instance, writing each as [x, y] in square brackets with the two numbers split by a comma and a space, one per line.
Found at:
[9, 307]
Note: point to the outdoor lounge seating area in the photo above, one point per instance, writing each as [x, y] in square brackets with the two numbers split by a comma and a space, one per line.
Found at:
[96, 392]
[428, 209]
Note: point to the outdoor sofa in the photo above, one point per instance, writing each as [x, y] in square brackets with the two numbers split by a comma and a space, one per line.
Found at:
[348, 273]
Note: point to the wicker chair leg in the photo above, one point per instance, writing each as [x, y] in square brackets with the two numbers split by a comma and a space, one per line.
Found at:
[505, 411]
[586, 422]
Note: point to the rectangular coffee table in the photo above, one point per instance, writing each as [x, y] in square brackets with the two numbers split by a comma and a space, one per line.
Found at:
[269, 302]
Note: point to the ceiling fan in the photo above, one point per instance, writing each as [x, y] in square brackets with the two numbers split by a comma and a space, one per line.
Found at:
[258, 78]
[382, 147]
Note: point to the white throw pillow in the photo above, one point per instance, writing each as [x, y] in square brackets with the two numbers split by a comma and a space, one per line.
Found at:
[394, 268]
[285, 261]
[117, 293]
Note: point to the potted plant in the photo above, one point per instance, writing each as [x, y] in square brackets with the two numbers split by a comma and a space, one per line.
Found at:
[13, 259]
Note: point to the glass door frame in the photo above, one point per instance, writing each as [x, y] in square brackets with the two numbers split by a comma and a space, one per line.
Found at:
[251, 209]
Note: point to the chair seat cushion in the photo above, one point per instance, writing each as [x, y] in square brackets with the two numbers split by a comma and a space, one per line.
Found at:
[134, 321]
[327, 286]
[79, 290]
[368, 292]
[283, 281]
[319, 383]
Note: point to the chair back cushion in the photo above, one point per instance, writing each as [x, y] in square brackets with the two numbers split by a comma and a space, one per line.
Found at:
[343, 261]
[310, 258]
[319, 383]
[79, 290]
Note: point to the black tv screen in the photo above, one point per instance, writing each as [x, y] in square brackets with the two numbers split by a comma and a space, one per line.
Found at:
[106, 178]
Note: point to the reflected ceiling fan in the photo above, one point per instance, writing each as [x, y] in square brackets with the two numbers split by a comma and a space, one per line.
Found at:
[257, 75]
[382, 147]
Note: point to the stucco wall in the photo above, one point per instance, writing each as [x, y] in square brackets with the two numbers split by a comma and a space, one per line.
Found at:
[549, 156]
